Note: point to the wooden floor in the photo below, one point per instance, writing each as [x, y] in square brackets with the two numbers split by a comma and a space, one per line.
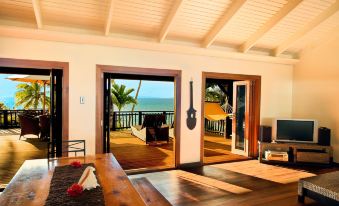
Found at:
[227, 184]
[218, 149]
[13, 153]
[133, 153]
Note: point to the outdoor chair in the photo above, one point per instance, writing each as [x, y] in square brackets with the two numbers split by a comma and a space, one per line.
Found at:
[29, 125]
[154, 128]
[45, 124]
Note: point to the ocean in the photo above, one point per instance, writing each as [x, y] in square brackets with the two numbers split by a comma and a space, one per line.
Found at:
[144, 104]
[152, 104]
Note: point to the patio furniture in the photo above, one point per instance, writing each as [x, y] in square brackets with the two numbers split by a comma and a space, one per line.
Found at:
[29, 125]
[323, 188]
[70, 146]
[154, 128]
[45, 125]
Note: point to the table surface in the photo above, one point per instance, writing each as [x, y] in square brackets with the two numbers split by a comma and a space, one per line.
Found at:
[30, 185]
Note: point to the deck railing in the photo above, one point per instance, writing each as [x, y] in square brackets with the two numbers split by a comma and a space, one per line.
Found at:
[10, 118]
[216, 127]
[128, 119]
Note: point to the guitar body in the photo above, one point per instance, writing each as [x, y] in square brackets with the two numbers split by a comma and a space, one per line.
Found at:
[191, 120]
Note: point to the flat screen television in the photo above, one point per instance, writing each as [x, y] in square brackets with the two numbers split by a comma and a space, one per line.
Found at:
[295, 130]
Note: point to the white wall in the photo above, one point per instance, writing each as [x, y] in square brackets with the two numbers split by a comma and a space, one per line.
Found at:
[276, 98]
[316, 88]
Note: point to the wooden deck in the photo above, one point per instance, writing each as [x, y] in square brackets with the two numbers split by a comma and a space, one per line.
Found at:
[244, 183]
[133, 153]
[13, 153]
[218, 149]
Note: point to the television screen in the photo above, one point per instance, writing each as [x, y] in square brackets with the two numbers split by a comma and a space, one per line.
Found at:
[295, 130]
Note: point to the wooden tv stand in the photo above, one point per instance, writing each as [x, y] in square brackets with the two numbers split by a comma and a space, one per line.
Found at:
[298, 153]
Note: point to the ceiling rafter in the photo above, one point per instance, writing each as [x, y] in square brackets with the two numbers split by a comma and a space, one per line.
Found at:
[225, 19]
[37, 13]
[170, 19]
[252, 40]
[109, 17]
[306, 29]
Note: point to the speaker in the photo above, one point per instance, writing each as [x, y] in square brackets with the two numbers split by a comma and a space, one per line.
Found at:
[265, 134]
[324, 136]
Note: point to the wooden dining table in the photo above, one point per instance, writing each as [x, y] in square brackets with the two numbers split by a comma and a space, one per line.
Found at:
[31, 184]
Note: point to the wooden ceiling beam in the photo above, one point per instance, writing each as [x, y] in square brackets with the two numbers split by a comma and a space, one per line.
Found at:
[75, 38]
[37, 13]
[170, 19]
[252, 40]
[307, 28]
[109, 17]
[224, 20]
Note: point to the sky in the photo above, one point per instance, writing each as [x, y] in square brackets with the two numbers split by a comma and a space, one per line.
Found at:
[7, 87]
[150, 89]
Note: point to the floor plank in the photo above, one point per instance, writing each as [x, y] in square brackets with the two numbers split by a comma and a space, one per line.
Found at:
[199, 185]
[133, 153]
[218, 149]
[149, 193]
[13, 153]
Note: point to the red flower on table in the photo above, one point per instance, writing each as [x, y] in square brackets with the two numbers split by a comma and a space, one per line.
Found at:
[76, 164]
[74, 190]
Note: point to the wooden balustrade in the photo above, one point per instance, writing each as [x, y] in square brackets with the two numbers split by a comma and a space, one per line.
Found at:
[10, 118]
[125, 119]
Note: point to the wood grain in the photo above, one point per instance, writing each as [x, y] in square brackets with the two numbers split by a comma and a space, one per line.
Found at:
[30, 186]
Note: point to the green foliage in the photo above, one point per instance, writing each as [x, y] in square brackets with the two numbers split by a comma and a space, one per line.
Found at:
[121, 96]
[30, 96]
[3, 106]
[214, 94]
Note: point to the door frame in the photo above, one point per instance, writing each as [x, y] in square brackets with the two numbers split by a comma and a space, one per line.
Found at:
[47, 65]
[254, 109]
[101, 69]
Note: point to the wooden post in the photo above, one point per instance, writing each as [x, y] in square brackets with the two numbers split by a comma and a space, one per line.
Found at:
[140, 118]
[114, 121]
[5, 119]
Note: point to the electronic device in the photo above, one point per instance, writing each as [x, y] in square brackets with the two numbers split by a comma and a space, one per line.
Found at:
[324, 136]
[276, 155]
[265, 133]
[295, 130]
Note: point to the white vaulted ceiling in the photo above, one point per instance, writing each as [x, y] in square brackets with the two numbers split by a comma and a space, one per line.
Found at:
[281, 28]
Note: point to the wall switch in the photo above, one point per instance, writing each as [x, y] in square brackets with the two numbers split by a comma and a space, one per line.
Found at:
[82, 100]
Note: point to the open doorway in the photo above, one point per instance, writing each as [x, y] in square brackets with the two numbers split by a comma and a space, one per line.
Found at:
[30, 116]
[140, 117]
[231, 105]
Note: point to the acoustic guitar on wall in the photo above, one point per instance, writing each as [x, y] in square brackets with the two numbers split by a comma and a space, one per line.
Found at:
[191, 120]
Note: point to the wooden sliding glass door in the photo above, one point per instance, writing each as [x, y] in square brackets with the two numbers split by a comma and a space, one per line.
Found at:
[240, 126]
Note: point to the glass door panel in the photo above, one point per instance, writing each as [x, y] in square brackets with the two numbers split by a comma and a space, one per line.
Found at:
[240, 124]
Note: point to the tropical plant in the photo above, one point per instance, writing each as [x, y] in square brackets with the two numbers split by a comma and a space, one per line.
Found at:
[30, 96]
[3, 106]
[214, 93]
[136, 99]
[121, 97]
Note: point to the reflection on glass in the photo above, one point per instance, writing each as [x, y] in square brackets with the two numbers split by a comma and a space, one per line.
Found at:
[240, 117]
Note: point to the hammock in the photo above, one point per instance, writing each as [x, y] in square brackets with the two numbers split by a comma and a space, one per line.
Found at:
[214, 112]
